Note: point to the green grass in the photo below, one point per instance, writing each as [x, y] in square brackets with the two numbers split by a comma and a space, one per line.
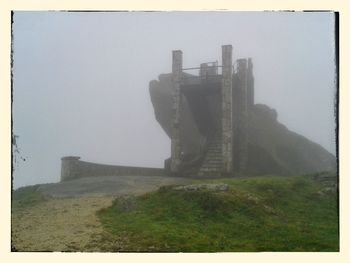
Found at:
[26, 197]
[256, 214]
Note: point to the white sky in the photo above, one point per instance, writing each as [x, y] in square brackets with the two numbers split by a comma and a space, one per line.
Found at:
[80, 84]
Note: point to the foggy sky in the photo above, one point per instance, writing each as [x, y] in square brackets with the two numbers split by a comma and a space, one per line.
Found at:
[80, 80]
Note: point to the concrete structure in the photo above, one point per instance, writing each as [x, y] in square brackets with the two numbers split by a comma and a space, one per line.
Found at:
[214, 106]
[177, 98]
[241, 114]
[216, 129]
[224, 100]
[73, 168]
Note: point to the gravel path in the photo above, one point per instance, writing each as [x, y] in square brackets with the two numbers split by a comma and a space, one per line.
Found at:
[68, 221]
[66, 224]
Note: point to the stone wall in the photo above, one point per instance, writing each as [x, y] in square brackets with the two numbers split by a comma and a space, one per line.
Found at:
[72, 168]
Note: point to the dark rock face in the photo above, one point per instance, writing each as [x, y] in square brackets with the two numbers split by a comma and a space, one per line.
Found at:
[161, 97]
[271, 147]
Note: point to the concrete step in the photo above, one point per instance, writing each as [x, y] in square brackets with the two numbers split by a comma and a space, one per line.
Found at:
[209, 170]
[215, 146]
[213, 156]
[212, 163]
[213, 160]
[209, 153]
[217, 151]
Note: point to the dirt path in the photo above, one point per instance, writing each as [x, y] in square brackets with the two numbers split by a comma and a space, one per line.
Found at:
[68, 221]
[66, 224]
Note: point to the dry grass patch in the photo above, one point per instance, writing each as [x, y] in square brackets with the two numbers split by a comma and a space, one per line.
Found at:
[66, 224]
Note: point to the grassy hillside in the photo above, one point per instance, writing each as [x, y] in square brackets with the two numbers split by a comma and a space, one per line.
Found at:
[26, 197]
[253, 214]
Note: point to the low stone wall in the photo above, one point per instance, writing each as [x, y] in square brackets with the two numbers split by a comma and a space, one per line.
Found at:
[72, 168]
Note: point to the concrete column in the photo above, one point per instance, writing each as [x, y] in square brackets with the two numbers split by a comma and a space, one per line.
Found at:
[203, 71]
[69, 165]
[227, 133]
[242, 113]
[176, 108]
[250, 85]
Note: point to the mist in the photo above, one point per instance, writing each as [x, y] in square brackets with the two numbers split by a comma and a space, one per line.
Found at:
[80, 80]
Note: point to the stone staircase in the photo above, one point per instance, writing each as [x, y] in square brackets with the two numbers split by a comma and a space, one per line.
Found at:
[212, 163]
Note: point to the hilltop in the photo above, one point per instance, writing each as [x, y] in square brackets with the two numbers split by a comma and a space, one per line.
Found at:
[265, 213]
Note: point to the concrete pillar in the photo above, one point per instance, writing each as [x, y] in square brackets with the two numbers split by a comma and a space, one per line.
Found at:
[242, 73]
[227, 132]
[203, 71]
[176, 108]
[250, 85]
[235, 119]
[69, 165]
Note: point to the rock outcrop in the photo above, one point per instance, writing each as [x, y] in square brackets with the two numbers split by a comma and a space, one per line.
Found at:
[271, 147]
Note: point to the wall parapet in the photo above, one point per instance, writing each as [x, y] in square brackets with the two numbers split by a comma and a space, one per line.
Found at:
[72, 168]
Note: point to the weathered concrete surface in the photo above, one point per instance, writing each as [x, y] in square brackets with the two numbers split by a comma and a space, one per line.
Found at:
[241, 115]
[227, 134]
[250, 85]
[176, 112]
[73, 168]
